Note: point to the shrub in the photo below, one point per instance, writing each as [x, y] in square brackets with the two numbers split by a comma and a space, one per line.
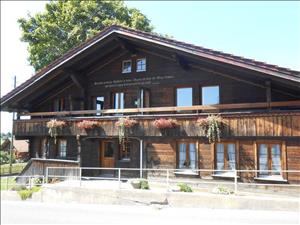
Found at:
[24, 194]
[185, 188]
[222, 190]
[165, 123]
[5, 157]
[27, 193]
[144, 184]
[140, 184]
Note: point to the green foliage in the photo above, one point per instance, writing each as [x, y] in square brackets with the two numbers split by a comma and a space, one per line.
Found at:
[185, 188]
[222, 190]
[24, 194]
[16, 168]
[144, 184]
[7, 183]
[212, 126]
[18, 188]
[27, 193]
[65, 24]
[140, 184]
[5, 158]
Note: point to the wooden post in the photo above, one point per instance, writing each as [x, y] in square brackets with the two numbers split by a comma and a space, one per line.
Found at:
[78, 149]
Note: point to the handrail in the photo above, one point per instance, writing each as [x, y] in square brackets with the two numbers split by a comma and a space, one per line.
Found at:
[170, 109]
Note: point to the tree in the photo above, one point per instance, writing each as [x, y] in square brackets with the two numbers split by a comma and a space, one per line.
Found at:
[65, 24]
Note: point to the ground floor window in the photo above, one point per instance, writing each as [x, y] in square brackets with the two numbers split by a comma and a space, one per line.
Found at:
[62, 148]
[269, 158]
[225, 158]
[124, 150]
[187, 155]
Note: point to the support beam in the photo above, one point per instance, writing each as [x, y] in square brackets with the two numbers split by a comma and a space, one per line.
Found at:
[141, 158]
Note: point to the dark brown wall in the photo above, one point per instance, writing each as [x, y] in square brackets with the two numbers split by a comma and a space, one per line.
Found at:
[162, 91]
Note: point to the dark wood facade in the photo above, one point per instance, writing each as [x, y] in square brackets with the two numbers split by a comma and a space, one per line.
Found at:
[258, 106]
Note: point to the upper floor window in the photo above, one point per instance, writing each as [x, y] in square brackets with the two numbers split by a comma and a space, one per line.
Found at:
[98, 104]
[184, 96]
[59, 104]
[210, 95]
[62, 148]
[140, 65]
[269, 158]
[119, 100]
[126, 66]
[225, 158]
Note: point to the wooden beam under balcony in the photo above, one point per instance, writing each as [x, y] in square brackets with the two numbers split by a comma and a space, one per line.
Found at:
[257, 105]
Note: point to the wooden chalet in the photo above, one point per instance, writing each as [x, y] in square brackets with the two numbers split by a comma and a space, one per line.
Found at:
[123, 72]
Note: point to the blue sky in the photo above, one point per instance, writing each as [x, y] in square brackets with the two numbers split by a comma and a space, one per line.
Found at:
[265, 31]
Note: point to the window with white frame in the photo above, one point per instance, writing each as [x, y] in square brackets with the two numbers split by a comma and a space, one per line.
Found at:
[126, 66]
[225, 158]
[187, 155]
[140, 65]
[210, 95]
[62, 148]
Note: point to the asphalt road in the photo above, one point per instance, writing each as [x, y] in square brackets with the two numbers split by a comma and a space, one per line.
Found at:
[17, 212]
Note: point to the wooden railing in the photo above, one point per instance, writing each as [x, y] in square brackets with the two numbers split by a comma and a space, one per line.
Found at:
[257, 105]
[267, 124]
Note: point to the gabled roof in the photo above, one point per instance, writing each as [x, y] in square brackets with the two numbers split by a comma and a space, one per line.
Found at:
[268, 69]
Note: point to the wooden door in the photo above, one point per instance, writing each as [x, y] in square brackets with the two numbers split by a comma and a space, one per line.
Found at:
[107, 154]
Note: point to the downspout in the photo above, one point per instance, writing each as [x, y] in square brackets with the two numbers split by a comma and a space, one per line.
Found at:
[141, 158]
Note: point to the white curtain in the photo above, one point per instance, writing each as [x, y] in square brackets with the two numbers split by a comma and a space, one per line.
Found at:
[276, 163]
[192, 155]
[263, 158]
[231, 156]
[182, 155]
[220, 157]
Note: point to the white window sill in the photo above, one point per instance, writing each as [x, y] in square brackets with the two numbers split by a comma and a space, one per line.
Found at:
[138, 71]
[225, 175]
[187, 172]
[124, 160]
[270, 178]
[126, 71]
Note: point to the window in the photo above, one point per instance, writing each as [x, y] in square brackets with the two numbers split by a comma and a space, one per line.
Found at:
[45, 146]
[225, 158]
[59, 104]
[187, 155]
[141, 65]
[184, 96]
[210, 95]
[126, 66]
[99, 104]
[269, 157]
[124, 151]
[108, 149]
[119, 100]
[62, 148]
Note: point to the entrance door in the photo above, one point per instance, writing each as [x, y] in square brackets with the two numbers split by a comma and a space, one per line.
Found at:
[107, 154]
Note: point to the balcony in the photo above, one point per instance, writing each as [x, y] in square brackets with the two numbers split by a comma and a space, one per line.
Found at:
[267, 120]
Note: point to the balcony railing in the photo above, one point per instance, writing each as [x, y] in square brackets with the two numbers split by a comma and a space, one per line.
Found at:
[270, 123]
[171, 109]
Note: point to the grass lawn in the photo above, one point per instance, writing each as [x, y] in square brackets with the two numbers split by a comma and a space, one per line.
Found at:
[16, 168]
[7, 183]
